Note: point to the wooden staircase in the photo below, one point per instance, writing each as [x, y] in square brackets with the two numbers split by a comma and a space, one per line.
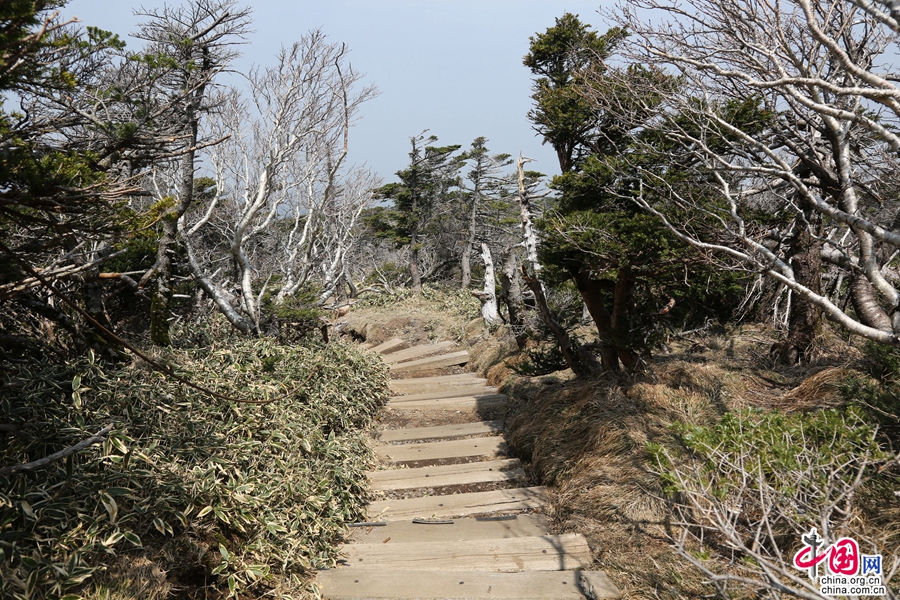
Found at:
[432, 538]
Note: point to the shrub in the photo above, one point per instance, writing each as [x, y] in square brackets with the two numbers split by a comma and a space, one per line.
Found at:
[751, 485]
[243, 494]
[879, 398]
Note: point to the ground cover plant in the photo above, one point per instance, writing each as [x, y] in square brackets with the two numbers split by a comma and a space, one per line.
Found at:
[437, 312]
[698, 476]
[203, 492]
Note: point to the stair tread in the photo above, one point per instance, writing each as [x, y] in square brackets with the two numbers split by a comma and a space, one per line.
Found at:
[466, 528]
[459, 505]
[483, 446]
[459, 474]
[440, 431]
[376, 584]
[534, 553]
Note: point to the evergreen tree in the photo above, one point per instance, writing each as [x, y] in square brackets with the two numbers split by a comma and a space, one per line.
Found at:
[61, 199]
[623, 262]
[486, 197]
[430, 182]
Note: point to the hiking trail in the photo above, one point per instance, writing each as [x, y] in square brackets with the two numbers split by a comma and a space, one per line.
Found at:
[457, 520]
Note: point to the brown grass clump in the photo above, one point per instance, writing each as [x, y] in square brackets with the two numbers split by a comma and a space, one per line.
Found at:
[820, 390]
[434, 314]
[491, 351]
[590, 438]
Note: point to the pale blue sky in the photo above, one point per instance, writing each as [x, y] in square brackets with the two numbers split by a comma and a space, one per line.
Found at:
[453, 67]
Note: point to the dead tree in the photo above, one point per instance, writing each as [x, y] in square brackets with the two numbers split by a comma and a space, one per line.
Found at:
[788, 105]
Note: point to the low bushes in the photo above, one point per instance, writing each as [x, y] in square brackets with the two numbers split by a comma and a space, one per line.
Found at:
[751, 485]
[235, 495]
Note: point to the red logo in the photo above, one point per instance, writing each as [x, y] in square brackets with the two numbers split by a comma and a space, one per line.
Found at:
[843, 557]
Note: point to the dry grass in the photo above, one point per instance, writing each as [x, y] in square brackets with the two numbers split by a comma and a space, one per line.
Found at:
[820, 390]
[436, 314]
[589, 439]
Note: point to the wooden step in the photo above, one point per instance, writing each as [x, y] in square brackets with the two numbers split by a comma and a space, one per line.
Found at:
[381, 584]
[417, 352]
[462, 390]
[461, 529]
[430, 384]
[459, 505]
[457, 403]
[432, 362]
[460, 474]
[441, 431]
[388, 346]
[455, 379]
[484, 446]
[545, 553]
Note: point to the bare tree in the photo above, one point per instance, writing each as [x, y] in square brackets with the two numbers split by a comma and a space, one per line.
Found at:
[285, 203]
[193, 43]
[488, 295]
[785, 129]
[754, 494]
[578, 358]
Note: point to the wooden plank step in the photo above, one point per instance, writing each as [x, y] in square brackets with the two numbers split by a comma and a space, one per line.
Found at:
[417, 352]
[455, 379]
[462, 390]
[484, 446]
[545, 553]
[381, 584]
[429, 384]
[459, 474]
[461, 529]
[441, 431]
[458, 403]
[459, 505]
[432, 362]
[391, 344]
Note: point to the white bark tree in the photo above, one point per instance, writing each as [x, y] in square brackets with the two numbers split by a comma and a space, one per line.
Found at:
[286, 202]
[197, 42]
[488, 295]
[486, 181]
[787, 119]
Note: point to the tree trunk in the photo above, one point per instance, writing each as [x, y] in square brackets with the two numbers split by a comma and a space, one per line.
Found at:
[352, 292]
[511, 295]
[582, 362]
[803, 321]
[591, 290]
[528, 234]
[234, 317]
[162, 296]
[619, 326]
[415, 277]
[465, 265]
[466, 259]
[869, 312]
[489, 295]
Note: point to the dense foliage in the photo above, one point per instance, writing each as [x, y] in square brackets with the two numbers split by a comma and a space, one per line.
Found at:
[242, 492]
[635, 277]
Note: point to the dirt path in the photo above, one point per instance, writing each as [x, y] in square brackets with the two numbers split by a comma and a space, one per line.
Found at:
[456, 519]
